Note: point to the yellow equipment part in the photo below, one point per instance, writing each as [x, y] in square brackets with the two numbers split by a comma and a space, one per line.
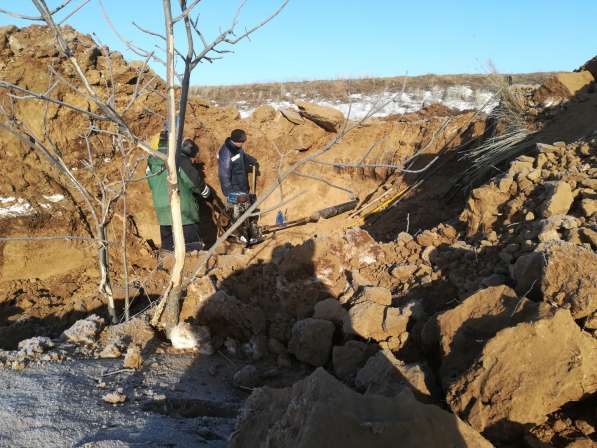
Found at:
[360, 220]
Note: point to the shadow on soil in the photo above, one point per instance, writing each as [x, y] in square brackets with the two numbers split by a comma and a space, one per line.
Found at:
[248, 308]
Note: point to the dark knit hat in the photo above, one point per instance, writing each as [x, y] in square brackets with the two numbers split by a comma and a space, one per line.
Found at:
[189, 148]
[238, 136]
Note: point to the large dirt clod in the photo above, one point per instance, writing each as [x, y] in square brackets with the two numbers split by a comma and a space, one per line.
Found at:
[329, 309]
[385, 375]
[379, 322]
[311, 341]
[320, 412]
[562, 86]
[460, 333]
[347, 359]
[525, 373]
[561, 273]
[85, 331]
[224, 314]
[559, 199]
[482, 209]
[328, 118]
[35, 345]
[591, 66]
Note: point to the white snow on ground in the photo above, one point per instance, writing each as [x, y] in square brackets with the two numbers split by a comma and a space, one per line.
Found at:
[54, 198]
[11, 207]
[389, 103]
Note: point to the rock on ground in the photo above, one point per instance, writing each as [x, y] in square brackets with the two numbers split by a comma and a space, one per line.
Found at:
[247, 376]
[133, 358]
[375, 321]
[226, 315]
[329, 309]
[328, 118]
[376, 294]
[292, 115]
[561, 273]
[385, 375]
[85, 331]
[112, 350]
[35, 345]
[459, 334]
[347, 359]
[136, 331]
[319, 412]
[114, 397]
[482, 209]
[185, 336]
[559, 199]
[525, 373]
[311, 341]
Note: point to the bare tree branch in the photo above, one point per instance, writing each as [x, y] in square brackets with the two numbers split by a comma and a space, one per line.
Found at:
[36, 18]
[73, 12]
[129, 44]
[51, 238]
[186, 11]
[325, 181]
[223, 37]
[29, 94]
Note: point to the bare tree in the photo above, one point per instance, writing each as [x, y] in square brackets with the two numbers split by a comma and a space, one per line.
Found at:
[171, 297]
[108, 119]
[116, 125]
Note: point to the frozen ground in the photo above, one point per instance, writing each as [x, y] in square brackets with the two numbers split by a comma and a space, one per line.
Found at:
[389, 103]
[173, 401]
[11, 207]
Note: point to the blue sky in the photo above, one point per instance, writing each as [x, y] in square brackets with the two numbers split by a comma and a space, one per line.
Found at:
[329, 39]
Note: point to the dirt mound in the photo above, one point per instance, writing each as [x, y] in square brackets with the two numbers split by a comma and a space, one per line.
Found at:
[320, 412]
[525, 373]
[561, 87]
[591, 66]
[461, 332]
[466, 311]
[26, 180]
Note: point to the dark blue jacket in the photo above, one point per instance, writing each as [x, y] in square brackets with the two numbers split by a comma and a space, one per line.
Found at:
[233, 164]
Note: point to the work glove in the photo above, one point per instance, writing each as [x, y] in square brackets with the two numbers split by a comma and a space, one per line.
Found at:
[237, 198]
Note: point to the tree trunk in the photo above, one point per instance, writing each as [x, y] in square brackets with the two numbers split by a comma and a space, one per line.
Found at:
[105, 287]
[172, 294]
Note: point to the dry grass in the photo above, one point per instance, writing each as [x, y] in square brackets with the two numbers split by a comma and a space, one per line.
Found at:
[339, 90]
[511, 130]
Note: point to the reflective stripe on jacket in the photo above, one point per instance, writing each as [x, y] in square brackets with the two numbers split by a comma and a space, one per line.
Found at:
[233, 164]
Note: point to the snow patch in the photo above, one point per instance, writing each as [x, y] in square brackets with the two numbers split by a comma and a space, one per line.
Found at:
[11, 207]
[54, 198]
[460, 97]
[16, 207]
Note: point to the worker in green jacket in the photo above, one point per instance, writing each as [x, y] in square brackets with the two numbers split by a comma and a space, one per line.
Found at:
[190, 185]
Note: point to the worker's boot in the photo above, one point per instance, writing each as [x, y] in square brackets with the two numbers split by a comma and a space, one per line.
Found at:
[255, 232]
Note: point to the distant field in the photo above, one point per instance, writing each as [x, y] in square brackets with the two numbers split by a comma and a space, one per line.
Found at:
[249, 96]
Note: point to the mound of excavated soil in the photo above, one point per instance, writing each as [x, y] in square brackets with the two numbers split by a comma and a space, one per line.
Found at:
[275, 140]
[484, 307]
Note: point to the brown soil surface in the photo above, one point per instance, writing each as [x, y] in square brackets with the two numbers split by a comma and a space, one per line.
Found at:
[467, 302]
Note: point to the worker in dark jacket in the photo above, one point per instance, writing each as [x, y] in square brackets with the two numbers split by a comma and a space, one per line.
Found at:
[190, 184]
[233, 166]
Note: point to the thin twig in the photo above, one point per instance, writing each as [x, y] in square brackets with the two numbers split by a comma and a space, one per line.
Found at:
[115, 372]
[50, 238]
